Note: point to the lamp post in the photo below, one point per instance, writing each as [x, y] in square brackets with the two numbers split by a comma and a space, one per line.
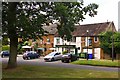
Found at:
[87, 45]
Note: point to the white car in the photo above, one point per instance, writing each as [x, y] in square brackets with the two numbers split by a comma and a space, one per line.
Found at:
[53, 56]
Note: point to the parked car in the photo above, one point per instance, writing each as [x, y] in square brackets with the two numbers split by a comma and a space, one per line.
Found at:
[69, 57]
[30, 55]
[5, 54]
[53, 56]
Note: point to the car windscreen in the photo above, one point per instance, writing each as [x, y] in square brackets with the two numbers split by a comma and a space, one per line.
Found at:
[51, 54]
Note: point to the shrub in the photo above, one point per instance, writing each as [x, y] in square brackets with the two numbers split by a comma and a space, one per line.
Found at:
[5, 47]
[64, 52]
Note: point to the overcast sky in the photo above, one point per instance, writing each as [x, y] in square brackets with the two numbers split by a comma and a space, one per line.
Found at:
[108, 10]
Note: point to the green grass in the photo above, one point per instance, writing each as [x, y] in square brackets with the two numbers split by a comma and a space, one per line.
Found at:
[27, 71]
[107, 63]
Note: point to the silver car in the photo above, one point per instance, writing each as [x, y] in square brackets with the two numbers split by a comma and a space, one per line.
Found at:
[53, 56]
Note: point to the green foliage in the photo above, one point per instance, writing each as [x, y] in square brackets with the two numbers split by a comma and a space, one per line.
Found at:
[20, 49]
[5, 40]
[106, 42]
[117, 42]
[25, 19]
[68, 14]
[64, 52]
[5, 47]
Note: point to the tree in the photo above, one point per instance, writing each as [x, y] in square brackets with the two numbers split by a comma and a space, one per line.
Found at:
[20, 20]
[117, 42]
[106, 42]
[25, 20]
[69, 14]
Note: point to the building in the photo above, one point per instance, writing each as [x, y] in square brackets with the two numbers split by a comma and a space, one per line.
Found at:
[47, 42]
[85, 39]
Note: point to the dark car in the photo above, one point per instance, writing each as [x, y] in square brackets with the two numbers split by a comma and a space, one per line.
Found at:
[30, 55]
[5, 54]
[69, 57]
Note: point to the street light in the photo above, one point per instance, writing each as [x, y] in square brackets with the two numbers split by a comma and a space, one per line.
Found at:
[87, 45]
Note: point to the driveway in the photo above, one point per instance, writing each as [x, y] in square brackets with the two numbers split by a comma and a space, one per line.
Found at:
[40, 61]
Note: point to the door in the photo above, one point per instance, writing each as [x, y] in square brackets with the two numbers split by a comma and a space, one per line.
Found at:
[97, 53]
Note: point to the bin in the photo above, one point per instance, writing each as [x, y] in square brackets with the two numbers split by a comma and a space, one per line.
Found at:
[83, 55]
[90, 56]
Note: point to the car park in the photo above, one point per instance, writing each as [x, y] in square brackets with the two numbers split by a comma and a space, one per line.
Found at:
[5, 54]
[53, 56]
[69, 57]
[30, 55]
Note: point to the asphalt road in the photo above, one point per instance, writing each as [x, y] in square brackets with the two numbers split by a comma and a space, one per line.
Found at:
[41, 62]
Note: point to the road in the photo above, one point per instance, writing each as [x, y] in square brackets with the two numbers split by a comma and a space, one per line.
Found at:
[41, 62]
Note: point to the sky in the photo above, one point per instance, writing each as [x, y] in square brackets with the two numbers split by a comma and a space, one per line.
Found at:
[107, 11]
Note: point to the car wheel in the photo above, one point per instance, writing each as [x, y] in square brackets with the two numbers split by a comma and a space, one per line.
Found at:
[24, 58]
[52, 59]
[62, 61]
[69, 61]
[2, 56]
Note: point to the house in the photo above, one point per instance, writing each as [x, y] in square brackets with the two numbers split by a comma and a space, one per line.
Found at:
[85, 39]
[47, 42]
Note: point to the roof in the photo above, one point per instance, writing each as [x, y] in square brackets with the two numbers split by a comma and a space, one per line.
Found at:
[51, 29]
[93, 29]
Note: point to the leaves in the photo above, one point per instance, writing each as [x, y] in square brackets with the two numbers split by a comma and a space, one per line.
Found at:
[31, 15]
[106, 41]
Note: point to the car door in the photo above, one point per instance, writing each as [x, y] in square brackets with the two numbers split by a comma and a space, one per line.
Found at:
[58, 56]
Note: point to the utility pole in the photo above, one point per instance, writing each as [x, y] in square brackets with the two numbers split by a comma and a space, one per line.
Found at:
[112, 44]
[87, 45]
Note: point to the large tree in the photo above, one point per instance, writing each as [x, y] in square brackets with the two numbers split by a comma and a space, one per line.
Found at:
[109, 39]
[25, 19]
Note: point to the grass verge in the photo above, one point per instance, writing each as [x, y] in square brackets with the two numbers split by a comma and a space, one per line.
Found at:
[107, 63]
[29, 71]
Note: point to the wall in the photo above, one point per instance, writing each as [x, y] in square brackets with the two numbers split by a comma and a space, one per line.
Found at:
[45, 44]
[78, 44]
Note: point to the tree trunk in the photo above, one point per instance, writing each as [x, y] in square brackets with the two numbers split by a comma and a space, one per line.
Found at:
[12, 63]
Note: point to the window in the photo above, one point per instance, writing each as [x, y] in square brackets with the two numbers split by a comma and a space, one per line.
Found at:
[95, 39]
[73, 39]
[90, 42]
[58, 41]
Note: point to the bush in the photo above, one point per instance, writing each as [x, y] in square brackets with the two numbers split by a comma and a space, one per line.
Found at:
[64, 52]
[5, 47]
